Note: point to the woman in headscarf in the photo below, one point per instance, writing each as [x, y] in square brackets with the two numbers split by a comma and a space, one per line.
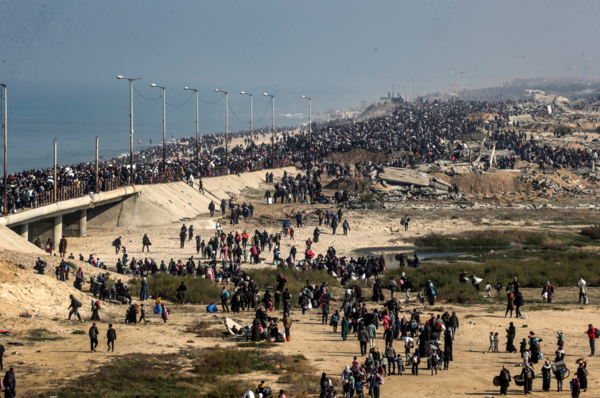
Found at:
[324, 384]
[346, 374]
[546, 376]
[345, 328]
[582, 375]
[404, 326]
[510, 338]
[256, 330]
[144, 290]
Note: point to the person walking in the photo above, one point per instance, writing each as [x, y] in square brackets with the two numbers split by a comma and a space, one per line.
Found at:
[62, 247]
[504, 379]
[181, 292]
[142, 314]
[592, 334]
[346, 227]
[144, 290]
[117, 245]
[146, 243]
[1, 357]
[546, 376]
[582, 291]
[74, 308]
[363, 339]
[224, 298]
[496, 342]
[10, 384]
[519, 302]
[405, 221]
[415, 359]
[491, 337]
[372, 330]
[528, 374]
[287, 324]
[510, 303]
[511, 333]
[93, 333]
[582, 375]
[111, 335]
[211, 208]
[325, 313]
[454, 324]
[95, 309]
[201, 187]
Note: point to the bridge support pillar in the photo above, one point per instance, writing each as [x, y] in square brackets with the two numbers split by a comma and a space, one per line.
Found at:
[58, 220]
[24, 231]
[82, 223]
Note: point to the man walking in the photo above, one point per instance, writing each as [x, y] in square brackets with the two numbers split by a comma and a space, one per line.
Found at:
[93, 333]
[111, 335]
[405, 220]
[74, 308]
[117, 245]
[181, 292]
[211, 207]
[1, 357]
[200, 185]
[224, 298]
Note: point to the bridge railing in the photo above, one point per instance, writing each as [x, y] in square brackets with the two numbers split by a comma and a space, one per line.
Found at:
[78, 189]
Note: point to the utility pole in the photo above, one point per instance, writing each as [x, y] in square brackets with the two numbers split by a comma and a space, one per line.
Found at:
[130, 123]
[273, 128]
[5, 147]
[251, 130]
[309, 131]
[226, 127]
[164, 127]
[197, 132]
[97, 165]
[456, 74]
[55, 182]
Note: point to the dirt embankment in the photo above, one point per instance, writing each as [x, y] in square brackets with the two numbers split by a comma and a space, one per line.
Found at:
[484, 184]
[359, 156]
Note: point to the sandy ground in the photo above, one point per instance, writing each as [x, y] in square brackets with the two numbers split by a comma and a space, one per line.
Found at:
[43, 365]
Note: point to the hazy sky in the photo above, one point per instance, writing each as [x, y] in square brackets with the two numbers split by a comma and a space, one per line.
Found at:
[339, 50]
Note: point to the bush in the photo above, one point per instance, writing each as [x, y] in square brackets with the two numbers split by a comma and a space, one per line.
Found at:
[230, 361]
[439, 240]
[592, 232]
[296, 279]
[562, 269]
[199, 290]
[562, 129]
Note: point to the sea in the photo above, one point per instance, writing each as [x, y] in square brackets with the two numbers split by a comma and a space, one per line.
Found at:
[73, 115]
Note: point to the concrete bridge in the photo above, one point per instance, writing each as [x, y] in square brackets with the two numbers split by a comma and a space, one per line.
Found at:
[131, 206]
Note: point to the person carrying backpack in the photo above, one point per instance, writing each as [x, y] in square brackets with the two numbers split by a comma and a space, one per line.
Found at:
[334, 321]
[415, 359]
[504, 380]
[430, 292]
[74, 308]
[224, 298]
[93, 333]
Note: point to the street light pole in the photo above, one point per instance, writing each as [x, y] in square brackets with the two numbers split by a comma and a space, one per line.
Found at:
[164, 127]
[5, 146]
[309, 130]
[251, 131]
[226, 126]
[197, 132]
[131, 80]
[456, 74]
[273, 128]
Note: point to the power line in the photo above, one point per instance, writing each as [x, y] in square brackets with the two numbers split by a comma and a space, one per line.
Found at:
[150, 99]
[236, 115]
[206, 102]
[266, 109]
[177, 106]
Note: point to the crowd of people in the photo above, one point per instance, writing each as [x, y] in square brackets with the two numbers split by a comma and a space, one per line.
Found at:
[420, 132]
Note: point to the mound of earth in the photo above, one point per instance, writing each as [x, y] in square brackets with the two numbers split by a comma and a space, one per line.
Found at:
[343, 184]
[22, 290]
[484, 184]
[358, 156]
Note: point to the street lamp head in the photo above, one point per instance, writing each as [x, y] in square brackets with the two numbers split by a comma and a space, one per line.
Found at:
[242, 92]
[186, 88]
[153, 85]
[304, 96]
[119, 77]
[265, 94]
[217, 90]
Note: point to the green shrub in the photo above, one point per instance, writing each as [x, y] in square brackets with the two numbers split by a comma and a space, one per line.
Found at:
[199, 290]
[231, 361]
[562, 129]
[593, 232]
[439, 240]
[267, 277]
